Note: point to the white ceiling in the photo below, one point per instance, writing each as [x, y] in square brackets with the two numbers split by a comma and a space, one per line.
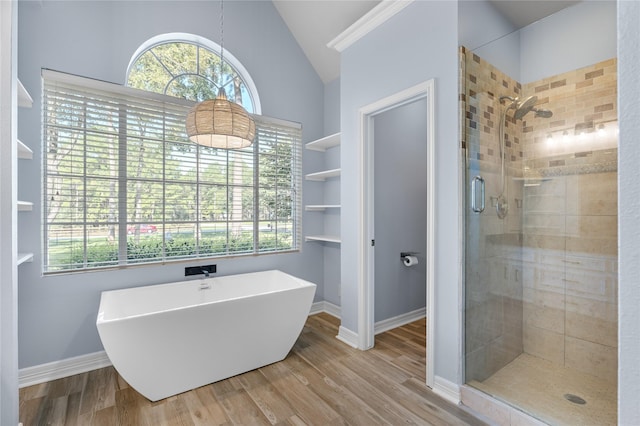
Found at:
[314, 23]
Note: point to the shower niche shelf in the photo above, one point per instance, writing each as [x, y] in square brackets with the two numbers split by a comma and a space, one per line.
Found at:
[325, 208]
[531, 181]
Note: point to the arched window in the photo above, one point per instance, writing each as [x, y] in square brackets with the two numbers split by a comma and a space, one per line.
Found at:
[187, 66]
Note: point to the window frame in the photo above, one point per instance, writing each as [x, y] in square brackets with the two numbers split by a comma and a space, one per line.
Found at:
[124, 219]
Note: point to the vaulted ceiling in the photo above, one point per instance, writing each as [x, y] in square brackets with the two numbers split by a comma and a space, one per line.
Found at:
[314, 23]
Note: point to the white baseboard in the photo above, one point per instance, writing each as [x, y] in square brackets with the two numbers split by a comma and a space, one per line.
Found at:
[391, 323]
[347, 336]
[326, 307]
[446, 389]
[64, 368]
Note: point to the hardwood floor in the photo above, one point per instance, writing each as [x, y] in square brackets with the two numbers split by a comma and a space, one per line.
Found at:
[321, 382]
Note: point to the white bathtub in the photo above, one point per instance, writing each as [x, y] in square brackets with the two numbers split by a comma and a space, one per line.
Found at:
[169, 338]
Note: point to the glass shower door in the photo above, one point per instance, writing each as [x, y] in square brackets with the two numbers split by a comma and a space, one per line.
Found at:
[541, 240]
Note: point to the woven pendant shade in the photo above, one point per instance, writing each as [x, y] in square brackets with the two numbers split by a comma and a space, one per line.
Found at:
[218, 123]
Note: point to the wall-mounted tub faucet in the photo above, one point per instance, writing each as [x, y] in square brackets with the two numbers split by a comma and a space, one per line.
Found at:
[198, 270]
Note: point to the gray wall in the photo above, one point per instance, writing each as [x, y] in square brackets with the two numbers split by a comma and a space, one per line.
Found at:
[628, 207]
[97, 39]
[417, 44]
[575, 37]
[490, 35]
[400, 208]
[9, 399]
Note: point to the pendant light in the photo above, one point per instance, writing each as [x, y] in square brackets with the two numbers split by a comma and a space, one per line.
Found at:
[218, 123]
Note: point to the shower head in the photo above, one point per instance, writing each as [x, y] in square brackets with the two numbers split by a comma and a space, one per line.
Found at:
[522, 108]
[543, 113]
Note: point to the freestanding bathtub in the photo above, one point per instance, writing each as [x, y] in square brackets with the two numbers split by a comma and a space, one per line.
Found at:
[169, 338]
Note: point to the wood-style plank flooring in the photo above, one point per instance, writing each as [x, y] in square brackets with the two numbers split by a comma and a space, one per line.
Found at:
[321, 382]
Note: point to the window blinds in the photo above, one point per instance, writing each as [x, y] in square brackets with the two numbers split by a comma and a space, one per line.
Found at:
[123, 184]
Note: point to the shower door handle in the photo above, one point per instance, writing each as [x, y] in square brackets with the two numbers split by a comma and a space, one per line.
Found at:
[478, 180]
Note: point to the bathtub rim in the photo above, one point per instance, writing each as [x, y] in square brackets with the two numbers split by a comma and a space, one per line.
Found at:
[100, 319]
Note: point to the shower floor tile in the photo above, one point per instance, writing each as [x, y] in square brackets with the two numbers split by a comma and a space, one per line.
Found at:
[537, 386]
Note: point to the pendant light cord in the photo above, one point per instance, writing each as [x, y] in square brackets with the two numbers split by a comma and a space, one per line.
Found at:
[221, 40]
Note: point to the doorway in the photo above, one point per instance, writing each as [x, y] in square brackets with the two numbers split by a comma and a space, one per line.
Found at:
[411, 101]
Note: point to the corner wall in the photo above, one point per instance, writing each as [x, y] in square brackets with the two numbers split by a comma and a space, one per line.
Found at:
[417, 44]
[629, 205]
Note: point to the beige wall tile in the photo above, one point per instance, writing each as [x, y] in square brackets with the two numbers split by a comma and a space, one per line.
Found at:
[544, 309]
[592, 358]
[544, 344]
[588, 324]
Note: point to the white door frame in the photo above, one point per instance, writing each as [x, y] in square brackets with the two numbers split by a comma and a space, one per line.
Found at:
[366, 326]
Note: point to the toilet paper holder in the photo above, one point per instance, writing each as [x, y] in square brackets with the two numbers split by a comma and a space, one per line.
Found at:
[404, 254]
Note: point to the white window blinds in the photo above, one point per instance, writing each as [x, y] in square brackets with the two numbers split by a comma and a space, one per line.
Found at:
[123, 184]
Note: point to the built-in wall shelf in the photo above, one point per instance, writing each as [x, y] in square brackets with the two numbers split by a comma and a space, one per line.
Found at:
[25, 257]
[321, 145]
[24, 99]
[324, 238]
[320, 207]
[25, 206]
[24, 152]
[322, 176]
[324, 143]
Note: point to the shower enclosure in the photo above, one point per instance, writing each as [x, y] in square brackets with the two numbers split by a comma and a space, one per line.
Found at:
[541, 239]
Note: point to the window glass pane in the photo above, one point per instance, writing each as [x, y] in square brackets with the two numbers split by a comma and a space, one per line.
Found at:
[241, 238]
[102, 245]
[145, 201]
[147, 73]
[65, 247]
[209, 66]
[65, 199]
[144, 159]
[181, 163]
[213, 203]
[180, 202]
[177, 58]
[101, 201]
[182, 241]
[145, 246]
[192, 87]
[213, 165]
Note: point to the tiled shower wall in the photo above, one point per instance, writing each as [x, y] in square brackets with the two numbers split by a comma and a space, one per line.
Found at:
[570, 221]
[542, 280]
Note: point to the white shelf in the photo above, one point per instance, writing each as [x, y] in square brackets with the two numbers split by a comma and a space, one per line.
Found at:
[324, 238]
[320, 207]
[322, 176]
[24, 152]
[324, 143]
[25, 257]
[24, 99]
[25, 206]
